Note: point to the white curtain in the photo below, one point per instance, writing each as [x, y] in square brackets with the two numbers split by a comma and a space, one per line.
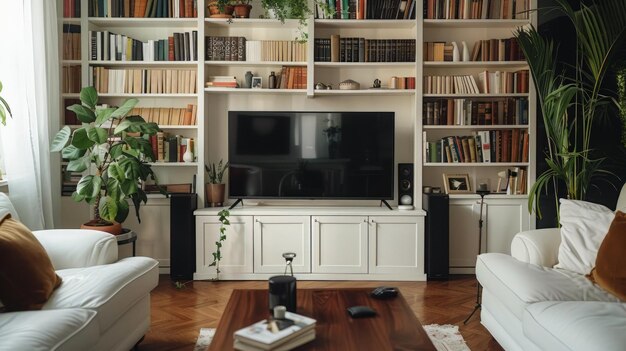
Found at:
[29, 71]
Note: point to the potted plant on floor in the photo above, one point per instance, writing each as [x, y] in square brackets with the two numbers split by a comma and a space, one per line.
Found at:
[221, 8]
[215, 188]
[571, 98]
[242, 8]
[112, 147]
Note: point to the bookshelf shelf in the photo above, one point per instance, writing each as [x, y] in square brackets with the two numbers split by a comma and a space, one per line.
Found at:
[145, 63]
[177, 127]
[128, 95]
[255, 23]
[173, 164]
[365, 92]
[476, 127]
[253, 91]
[257, 63]
[475, 95]
[475, 23]
[487, 197]
[372, 23]
[70, 20]
[477, 64]
[70, 95]
[71, 62]
[476, 164]
[394, 65]
[143, 22]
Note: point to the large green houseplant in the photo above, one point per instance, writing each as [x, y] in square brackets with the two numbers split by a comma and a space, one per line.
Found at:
[571, 98]
[112, 147]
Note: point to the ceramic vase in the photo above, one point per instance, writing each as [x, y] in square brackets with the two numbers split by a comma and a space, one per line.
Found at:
[248, 80]
[188, 155]
[456, 55]
[466, 54]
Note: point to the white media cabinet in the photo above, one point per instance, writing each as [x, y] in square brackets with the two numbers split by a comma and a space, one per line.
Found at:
[331, 243]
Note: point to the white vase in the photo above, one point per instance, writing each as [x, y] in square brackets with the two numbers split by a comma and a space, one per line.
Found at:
[188, 155]
[456, 55]
[466, 54]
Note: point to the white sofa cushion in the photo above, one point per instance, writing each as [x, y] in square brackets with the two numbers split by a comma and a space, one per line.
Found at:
[109, 289]
[583, 227]
[64, 329]
[518, 284]
[88, 247]
[7, 207]
[576, 325]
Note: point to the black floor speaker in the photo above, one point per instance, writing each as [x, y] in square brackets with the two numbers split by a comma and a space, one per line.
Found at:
[405, 184]
[437, 236]
[182, 236]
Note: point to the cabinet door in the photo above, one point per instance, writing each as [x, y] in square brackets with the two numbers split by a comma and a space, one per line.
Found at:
[463, 234]
[396, 245]
[505, 218]
[274, 235]
[236, 249]
[339, 244]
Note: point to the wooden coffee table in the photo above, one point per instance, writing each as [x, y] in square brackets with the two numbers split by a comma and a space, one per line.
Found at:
[394, 328]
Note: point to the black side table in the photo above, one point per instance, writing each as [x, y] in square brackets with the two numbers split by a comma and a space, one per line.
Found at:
[127, 238]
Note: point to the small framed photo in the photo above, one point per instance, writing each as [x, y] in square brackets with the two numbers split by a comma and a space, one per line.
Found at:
[257, 82]
[456, 183]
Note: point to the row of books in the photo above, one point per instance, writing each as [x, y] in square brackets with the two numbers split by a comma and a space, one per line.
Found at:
[476, 9]
[487, 146]
[143, 81]
[170, 148]
[514, 181]
[276, 334]
[71, 42]
[168, 116]
[337, 49]
[143, 8]
[71, 8]
[365, 9]
[465, 84]
[71, 79]
[108, 46]
[466, 112]
[402, 83]
[499, 82]
[484, 50]
[275, 50]
[69, 181]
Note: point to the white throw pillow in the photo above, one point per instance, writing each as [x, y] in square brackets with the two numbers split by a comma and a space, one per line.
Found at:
[583, 227]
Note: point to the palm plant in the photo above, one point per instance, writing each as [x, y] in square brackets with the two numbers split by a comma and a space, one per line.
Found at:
[571, 99]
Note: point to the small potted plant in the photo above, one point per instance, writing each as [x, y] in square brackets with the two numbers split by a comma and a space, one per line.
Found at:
[242, 8]
[215, 188]
[289, 9]
[112, 146]
[4, 109]
[221, 8]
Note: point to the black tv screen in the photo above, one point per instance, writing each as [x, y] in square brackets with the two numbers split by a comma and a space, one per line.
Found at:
[311, 155]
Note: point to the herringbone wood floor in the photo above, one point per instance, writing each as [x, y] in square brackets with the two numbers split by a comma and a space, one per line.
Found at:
[178, 315]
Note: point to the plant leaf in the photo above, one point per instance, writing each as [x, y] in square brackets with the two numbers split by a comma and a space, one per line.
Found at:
[126, 107]
[122, 126]
[103, 115]
[79, 164]
[71, 152]
[61, 139]
[108, 208]
[116, 172]
[89, 186]
[89, 97]
[97, 135]
[81, 140]
[83, 113]
[122, 211]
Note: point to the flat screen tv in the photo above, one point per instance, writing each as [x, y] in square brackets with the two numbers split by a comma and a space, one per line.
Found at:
[311, 155]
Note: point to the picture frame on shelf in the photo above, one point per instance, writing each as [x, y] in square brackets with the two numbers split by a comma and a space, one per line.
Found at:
[257, 82]
[457, 183]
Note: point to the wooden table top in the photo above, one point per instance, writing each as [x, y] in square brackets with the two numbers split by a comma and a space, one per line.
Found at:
[394, 328]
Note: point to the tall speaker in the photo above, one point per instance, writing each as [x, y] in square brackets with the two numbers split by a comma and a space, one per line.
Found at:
[437, 236]
[182, 236]
[405, 184]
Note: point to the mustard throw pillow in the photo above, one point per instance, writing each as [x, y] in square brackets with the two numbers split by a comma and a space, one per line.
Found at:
[27, 277]
[610, 270]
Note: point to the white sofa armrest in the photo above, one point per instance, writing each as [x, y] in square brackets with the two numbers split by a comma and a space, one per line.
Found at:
[73, 248]
[540, 247]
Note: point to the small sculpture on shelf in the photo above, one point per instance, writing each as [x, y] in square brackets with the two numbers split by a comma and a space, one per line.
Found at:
[349, 84]
[376, 84]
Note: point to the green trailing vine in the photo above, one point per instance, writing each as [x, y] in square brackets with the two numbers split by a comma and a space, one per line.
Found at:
[621, 86]
[217, 255]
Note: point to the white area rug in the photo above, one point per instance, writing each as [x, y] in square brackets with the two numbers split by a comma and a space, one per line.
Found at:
[445, 337]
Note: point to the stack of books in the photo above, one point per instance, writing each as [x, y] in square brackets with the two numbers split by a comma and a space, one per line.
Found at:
[293, 331]
[222, 82]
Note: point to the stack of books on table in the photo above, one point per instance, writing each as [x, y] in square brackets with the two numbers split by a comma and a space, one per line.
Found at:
[291, 332]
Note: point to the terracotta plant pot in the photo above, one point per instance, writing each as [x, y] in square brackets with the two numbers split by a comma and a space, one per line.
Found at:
[111, 228]
[242, 11]
[215, 194]
[214, 11]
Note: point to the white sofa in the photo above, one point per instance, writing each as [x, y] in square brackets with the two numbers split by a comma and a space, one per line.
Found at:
[102, 304]
[528, 305]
